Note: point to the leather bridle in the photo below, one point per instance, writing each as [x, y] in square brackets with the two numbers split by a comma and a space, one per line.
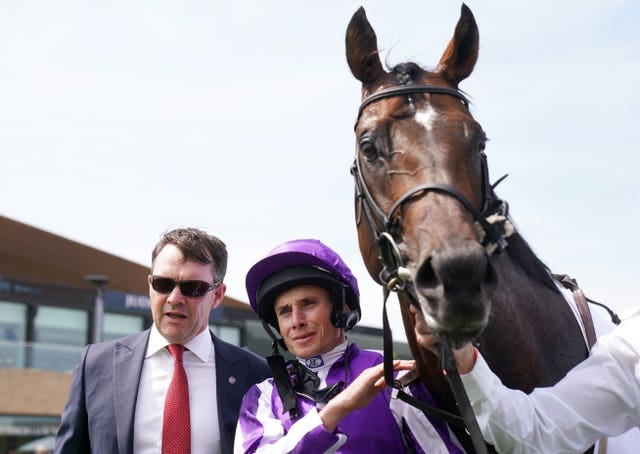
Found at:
[491, 204]
[394, 276]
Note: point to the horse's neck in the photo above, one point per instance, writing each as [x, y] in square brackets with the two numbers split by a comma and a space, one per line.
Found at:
[533, 337]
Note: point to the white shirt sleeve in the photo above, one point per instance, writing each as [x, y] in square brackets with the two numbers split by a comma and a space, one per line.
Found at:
[599, 397]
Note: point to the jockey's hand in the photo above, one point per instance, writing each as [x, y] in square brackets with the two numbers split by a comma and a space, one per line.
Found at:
[465, 356]
[358, 394]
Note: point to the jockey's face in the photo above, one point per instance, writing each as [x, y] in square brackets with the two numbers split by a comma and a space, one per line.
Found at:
[304, 318]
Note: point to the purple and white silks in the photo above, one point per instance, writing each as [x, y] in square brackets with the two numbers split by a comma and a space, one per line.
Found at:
[377, 428]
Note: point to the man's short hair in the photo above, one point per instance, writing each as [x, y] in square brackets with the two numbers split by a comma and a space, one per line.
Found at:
[196, 245]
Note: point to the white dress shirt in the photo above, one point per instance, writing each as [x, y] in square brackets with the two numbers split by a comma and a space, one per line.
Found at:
[157, 371]
[600, 396]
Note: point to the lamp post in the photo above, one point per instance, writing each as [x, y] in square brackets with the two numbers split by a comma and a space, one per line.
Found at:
[100, 281]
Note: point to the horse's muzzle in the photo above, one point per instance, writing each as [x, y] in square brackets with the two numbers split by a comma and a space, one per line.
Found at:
[454, 286]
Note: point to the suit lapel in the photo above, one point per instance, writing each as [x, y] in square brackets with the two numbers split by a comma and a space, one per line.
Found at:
[231, 375]
[128, 357]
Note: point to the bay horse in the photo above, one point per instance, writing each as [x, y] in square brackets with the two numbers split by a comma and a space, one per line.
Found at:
[423, 192]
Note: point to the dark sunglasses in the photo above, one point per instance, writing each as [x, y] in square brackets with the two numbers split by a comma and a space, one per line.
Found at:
[166, 285]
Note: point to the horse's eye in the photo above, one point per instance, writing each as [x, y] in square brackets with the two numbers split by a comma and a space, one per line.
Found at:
[368, 149]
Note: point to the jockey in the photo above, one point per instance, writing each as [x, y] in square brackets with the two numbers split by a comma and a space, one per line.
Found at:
[329, 398]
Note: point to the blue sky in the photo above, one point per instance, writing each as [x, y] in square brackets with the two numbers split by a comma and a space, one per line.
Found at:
[123, 119]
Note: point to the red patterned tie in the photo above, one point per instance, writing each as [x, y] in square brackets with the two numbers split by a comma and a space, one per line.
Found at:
[176, 423]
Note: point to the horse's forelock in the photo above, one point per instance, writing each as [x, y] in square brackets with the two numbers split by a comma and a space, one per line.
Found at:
[407, 72]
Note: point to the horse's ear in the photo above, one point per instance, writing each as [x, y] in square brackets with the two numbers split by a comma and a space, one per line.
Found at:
[362, 49]
[461, 54]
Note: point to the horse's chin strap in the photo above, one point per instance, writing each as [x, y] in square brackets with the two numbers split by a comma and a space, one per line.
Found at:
[396, 281]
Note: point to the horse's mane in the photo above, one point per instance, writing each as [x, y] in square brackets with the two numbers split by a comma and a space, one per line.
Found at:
[524, 257]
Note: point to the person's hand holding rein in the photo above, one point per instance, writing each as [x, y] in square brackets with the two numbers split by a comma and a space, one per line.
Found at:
[358, 394]
[465, 356]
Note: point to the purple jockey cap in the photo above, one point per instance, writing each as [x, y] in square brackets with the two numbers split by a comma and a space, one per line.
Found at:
[300, 262]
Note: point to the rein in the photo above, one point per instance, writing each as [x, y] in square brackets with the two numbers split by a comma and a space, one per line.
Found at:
[397, 278]
[397, 281]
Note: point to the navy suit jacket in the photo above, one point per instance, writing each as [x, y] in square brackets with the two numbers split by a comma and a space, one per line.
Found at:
[99, 415]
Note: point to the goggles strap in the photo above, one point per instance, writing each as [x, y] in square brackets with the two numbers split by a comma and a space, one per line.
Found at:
[306, 383]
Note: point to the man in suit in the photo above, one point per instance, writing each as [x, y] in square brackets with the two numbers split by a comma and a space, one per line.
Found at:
[117, 398]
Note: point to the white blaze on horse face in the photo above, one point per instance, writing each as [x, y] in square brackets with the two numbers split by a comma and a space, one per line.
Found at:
[466, 131]
[426, 117]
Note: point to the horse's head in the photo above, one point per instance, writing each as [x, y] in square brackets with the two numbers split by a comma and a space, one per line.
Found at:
[421, 178]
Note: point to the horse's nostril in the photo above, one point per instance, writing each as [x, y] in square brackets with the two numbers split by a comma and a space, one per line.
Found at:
[426, 277]
[463, 274]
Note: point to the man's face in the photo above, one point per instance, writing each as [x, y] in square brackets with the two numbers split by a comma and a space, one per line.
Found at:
[304, 318]
[180, 318]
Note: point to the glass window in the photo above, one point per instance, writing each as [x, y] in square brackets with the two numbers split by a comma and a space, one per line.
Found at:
[59, 325]
[13, 331]
[13, 321]
[28, 426]
[229, 334]
[119, 325]
[257, 340]
[59, 335]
